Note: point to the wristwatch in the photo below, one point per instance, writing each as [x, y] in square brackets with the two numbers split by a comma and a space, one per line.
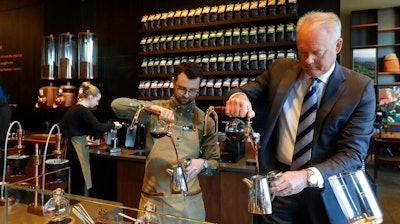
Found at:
[205, 166]
[312, 179]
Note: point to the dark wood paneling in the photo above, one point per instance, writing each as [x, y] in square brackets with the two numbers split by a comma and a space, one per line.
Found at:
[210, 186]
[234, 198]
[129, 180]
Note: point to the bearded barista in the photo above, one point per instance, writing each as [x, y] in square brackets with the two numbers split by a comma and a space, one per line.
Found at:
[187, 133]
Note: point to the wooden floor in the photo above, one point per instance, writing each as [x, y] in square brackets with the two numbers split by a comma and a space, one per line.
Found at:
[388, 192]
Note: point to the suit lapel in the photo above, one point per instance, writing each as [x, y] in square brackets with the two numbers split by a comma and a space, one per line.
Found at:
[282, 89]
[333, 91]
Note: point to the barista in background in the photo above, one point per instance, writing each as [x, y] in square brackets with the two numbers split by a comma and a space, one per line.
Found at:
[77, 123]
[5, 117]
[190, 142]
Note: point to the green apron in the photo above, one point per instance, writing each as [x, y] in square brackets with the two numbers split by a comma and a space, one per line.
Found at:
[82, 150]
[156, 185]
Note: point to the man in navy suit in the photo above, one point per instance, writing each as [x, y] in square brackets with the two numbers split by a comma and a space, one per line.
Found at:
[343, 124]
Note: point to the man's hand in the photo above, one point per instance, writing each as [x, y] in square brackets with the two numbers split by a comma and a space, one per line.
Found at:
[195, 167]
[165, 114]
[117, 125]
[289, 183]
[239, 106]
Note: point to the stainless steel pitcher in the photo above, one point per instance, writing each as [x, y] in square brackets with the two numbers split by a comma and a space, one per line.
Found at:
[178, 180]
[259, 195]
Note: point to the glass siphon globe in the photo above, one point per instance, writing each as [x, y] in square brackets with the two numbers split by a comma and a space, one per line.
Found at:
[57, 208]
[235, 130]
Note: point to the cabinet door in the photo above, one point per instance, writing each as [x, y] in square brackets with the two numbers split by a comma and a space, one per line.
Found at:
[210, 187]
[129, 184]
[234, 198]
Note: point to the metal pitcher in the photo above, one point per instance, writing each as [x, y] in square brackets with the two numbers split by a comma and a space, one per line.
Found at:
[355, 197]
[259, 195]
[178, 180]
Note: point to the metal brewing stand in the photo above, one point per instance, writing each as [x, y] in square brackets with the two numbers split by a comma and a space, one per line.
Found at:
[35, 207]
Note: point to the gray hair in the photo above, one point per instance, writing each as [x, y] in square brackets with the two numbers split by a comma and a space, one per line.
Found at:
[317, 19]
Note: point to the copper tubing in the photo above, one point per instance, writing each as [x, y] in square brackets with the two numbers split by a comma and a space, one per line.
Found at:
[219, 109]
[212, 110]
[151, 111]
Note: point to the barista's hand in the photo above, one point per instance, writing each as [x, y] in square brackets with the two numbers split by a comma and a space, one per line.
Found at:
[117, 125]
[290, 182]
[165, 114]
[239, 105]
[195, 167]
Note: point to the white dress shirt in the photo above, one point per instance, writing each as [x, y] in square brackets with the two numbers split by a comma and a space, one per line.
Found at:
[289, 118]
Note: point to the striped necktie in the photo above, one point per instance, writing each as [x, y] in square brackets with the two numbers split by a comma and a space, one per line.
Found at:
[305, 131]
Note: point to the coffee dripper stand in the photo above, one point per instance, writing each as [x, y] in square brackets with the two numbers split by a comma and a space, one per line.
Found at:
[259, 197]
[234, 133]
[7, 199]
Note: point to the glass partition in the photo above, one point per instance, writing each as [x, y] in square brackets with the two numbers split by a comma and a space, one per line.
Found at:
[26, 204]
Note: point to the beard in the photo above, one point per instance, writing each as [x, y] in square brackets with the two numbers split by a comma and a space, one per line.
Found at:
[184, 101]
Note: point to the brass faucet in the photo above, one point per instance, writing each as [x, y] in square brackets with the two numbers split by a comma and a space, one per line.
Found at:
[136, 117]
[210, 110]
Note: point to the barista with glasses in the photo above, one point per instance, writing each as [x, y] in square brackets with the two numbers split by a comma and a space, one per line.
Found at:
[191, 139]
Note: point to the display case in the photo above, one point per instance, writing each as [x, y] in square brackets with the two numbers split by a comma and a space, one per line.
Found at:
[375, 42]
[68, 208]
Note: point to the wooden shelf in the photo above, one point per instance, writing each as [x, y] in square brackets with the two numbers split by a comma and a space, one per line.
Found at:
[248, 47]
[376, 46]
[216, 73]
[389, 73]
[239, 21]
[360, 26]
[389, 84]
[167, 97]
[389, 29]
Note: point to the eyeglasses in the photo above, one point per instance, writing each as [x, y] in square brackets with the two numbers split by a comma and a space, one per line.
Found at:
[182, 90]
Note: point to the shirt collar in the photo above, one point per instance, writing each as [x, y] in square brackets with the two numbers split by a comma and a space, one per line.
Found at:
[324, 77]
[177, 107]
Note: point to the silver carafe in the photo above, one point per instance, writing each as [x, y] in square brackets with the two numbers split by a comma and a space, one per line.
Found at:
[259, 196]
[178, 179]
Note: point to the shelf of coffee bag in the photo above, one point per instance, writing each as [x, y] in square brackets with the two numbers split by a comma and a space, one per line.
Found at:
[248, 47]
[214, 73]
[238, 21]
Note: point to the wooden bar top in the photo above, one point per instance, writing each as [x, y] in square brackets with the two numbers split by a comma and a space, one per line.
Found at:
[388, 135]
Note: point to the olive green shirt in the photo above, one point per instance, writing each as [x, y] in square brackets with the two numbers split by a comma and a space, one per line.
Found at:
[125, 108]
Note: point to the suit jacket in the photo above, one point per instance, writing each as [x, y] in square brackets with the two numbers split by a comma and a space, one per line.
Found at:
[344, 122]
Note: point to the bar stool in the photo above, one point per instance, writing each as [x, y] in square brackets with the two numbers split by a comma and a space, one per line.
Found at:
[387, 152]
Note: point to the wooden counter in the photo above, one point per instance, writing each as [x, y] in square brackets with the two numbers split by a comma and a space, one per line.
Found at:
[225, 194]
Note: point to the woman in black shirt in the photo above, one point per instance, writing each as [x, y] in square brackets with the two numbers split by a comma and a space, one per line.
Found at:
[76, 125]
